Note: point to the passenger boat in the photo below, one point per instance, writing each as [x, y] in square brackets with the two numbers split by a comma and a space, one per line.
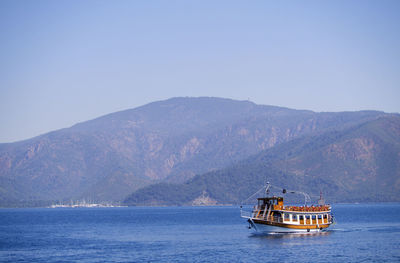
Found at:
[270, 215]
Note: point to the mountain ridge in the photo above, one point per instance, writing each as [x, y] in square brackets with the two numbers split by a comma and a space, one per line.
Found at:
[107, 158]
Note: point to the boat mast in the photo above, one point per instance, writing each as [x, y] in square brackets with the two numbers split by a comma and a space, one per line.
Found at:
[267, 189]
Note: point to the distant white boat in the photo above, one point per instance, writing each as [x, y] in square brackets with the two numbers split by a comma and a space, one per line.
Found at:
[82, 204]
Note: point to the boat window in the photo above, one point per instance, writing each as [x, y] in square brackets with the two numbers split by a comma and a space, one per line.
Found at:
[287, 216]
[294, 217]
[325, 216]
[308, 217]
[319, 216]
[301, 217]
[314, 217]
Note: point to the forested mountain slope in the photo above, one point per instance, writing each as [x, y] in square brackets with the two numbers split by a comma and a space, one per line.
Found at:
[107, 158]
[357, 164]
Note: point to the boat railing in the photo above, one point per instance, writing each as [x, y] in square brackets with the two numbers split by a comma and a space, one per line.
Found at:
[258, 214]
[246, 214]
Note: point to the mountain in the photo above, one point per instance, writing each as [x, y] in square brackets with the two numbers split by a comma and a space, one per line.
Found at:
[358, 164]
[108, 158]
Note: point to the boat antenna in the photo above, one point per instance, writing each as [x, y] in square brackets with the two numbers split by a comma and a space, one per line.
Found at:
[321, 200]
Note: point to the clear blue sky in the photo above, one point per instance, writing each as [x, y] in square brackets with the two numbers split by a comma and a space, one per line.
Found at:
[63, 62]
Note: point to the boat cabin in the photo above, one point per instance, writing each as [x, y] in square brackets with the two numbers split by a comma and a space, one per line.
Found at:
[276, 202]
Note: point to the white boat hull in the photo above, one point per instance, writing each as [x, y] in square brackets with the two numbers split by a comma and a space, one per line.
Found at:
[268, 229]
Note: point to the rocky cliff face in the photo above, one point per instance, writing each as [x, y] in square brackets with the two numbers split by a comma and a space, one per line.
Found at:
[358, 164]
[107, 158]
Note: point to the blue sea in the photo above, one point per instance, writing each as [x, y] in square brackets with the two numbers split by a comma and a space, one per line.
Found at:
[363, 233]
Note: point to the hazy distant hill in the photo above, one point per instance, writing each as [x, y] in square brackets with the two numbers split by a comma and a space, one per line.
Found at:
[357, 164]
[167, 141]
